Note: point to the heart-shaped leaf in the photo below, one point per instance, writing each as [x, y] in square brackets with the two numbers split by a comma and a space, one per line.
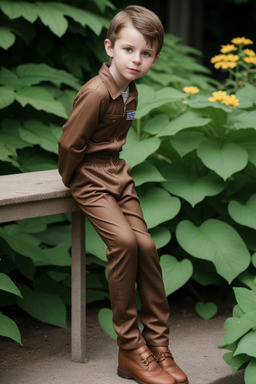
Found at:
[237, 327]
[161, 236]
[250, 372]
[158, 206]
[145, 173]
[48, 308]
[186, 120]
[191, 188]
[105, 317]
[7, 285]
[206, 310]
[217, 242]
[175, 273]
[136, 151]
[185, 142]
[224, 160]
[244, 214]
[150, 99]
[247, 345]
[8, 328]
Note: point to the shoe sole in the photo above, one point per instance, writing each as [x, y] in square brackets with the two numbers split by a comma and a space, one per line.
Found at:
[128, 376]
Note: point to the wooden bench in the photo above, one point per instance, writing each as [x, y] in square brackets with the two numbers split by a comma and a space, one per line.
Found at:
[35, 194]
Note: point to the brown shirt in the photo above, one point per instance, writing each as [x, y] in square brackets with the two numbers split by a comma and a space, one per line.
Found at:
[99, 122]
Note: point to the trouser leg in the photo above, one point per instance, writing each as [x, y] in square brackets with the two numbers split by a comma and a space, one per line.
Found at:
[154, 305]
[122, 251]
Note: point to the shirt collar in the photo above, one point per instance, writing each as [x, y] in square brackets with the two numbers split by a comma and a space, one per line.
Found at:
[110, 83]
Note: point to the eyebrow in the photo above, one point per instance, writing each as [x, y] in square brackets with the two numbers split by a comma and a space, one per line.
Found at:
[132, 46]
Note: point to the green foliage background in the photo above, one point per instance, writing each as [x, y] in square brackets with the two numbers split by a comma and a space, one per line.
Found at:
[193, 162]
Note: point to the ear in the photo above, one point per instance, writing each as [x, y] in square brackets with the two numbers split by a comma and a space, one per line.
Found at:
[108, 47]
[156, 58]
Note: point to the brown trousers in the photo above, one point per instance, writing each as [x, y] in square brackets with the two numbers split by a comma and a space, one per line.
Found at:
[105, 192]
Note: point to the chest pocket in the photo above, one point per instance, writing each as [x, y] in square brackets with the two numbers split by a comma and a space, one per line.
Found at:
[107, 127]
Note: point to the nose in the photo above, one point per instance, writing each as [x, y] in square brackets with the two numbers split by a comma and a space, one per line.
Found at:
[136, 58]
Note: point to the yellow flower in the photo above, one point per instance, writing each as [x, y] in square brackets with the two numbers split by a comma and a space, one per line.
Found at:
[232, 57]
[217, 58]
[241, 40]
[222, 97]
[250, 60]
[191, 90]
[231, 100]
[225, 64]
[228, 48]
[249, 52]
[218, 96]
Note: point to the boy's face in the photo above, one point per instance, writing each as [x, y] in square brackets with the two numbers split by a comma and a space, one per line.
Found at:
[131, 57]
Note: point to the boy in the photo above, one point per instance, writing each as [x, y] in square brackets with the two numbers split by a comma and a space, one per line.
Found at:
[99, 181]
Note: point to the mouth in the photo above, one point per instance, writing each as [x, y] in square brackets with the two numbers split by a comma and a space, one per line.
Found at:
[133, 70]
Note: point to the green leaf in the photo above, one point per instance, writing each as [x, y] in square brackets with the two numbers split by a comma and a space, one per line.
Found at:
[16, 9]
[31, 74]
[145, 173]
[9, 78]
[246, 299]
[245, 120]
[186, 120]
[225, 160]
[247, 345]
[250, 372]
[7, 153]
[156, 124]
[237, 363]
[201, 101]
[52, 18]
[237, 327]
[217, 242]
[28, 245]
[44, 307]
[32, 159]
[7, 38]
[7, 285]
[37, 133]
[192, 188]
[81, 16]
[206, 310]
[161, 236]
[8, 328]
[40, 99]
[185, 142]
[7, 97]
[175, 273]
[244, 214]
[93, 295]
[136, 151]
[105, 318]
[9, 134]
[150, 99]
[158, 206]
[246, 96]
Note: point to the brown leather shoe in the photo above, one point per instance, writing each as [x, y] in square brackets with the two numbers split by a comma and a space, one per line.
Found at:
[166, 361]
[140, 365]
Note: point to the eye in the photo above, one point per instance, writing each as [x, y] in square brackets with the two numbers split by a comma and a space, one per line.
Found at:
[146, 54]
[128, 49]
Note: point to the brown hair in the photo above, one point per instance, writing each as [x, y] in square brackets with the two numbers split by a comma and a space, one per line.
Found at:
[144, 20]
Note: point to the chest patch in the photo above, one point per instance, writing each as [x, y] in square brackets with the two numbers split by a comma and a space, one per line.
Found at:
[130, 115]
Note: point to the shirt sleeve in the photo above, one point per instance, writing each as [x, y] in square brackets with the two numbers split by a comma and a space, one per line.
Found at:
[78, 129]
